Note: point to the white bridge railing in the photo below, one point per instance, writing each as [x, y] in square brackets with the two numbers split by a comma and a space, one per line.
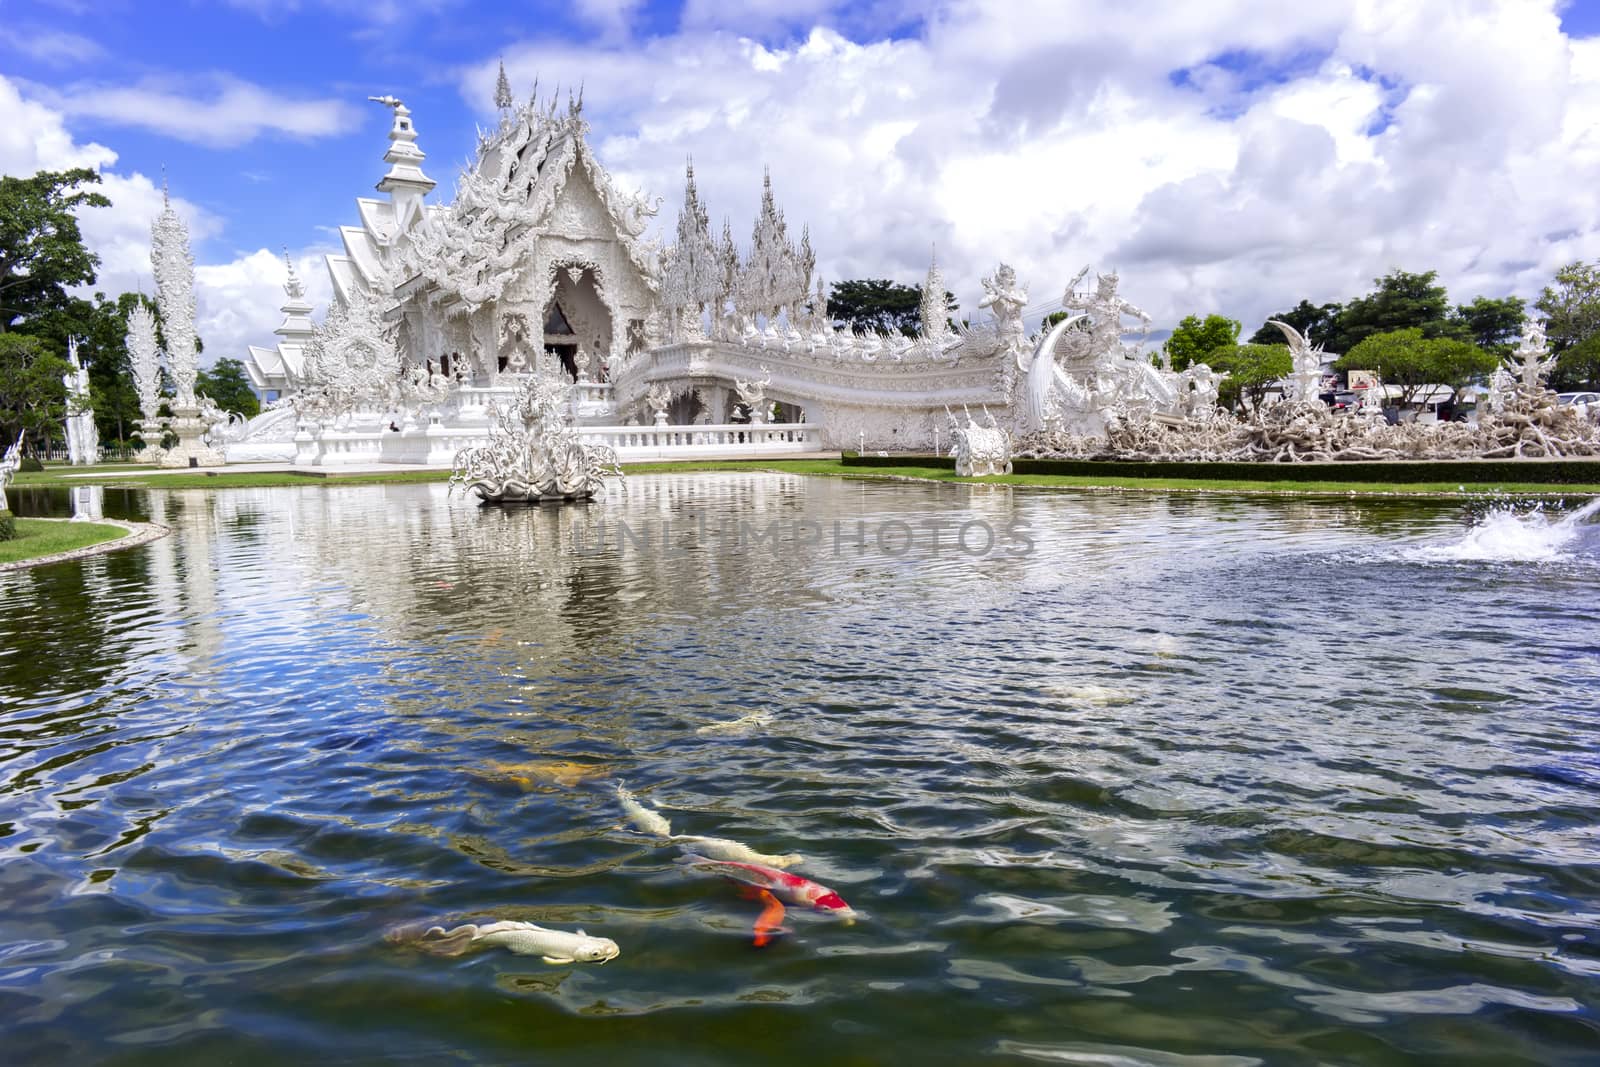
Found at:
[686, 442]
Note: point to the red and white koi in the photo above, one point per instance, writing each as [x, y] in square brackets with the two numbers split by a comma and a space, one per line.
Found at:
[788, 888]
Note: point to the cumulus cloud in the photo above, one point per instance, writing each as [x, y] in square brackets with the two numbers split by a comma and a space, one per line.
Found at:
[238, 299]
[232, 112]
[1230, 157]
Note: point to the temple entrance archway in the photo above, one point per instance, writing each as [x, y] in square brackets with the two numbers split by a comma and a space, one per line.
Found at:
[577, 322]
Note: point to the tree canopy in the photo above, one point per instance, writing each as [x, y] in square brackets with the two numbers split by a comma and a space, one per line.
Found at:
[1194, 337]
[33, 395]
[1571, 307]
[226, 384]
[1401, 301]
[1250, 369]
[1409, 359]
[1493, 325]
[41, 250]
[1312, 320]
[879, 304]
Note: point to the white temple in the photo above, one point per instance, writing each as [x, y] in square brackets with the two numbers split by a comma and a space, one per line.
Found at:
[540, 264]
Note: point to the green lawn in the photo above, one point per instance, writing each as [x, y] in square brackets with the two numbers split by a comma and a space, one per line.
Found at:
[45, 537]
[221, 479]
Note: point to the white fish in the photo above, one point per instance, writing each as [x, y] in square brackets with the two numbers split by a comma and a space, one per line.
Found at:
[646, 819]
[1092, 694]
[524, 939]
[720, 848]
[743, 722]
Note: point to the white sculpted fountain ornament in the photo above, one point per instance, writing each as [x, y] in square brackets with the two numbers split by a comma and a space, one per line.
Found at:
[534, 454]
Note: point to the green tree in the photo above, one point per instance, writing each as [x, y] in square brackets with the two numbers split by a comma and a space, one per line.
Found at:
[879, 304]
[226, 384]
[1409, 359]
[1493, 325]
[1194, 337]
[1578, 366]
[1570, 305]
[1401, 301]
[41, 250]
[1249, 369]
[1312, 320]
[32, 393]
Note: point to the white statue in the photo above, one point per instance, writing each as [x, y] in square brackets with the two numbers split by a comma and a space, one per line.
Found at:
[173, 265]
[83, 439]
[1532, 359]
[1305, 380]
[8, 468]
[1005, 299]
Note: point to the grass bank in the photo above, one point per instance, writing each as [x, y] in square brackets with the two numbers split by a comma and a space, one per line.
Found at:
[46, 537]
[1449, 483]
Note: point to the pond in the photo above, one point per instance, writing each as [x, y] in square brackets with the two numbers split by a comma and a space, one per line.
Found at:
[1109, 778]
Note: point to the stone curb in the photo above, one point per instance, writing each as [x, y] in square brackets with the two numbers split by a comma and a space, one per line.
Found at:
[139, 533]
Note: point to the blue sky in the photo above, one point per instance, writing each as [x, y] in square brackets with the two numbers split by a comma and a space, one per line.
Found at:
[1234, 156]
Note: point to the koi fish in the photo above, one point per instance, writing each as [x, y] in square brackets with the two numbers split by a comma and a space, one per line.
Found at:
[564, 773]
[522, 938]
[743, 722]
[770, 921]
[789, 888]
[721, 848]
[653, 822]
[646, 819]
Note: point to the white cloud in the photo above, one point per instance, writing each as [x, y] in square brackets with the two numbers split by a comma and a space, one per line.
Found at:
[238, 300]
[1312, 147]
[55, 48]
[231, 113]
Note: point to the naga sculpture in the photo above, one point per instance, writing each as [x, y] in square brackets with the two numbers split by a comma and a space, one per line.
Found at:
[534, 454]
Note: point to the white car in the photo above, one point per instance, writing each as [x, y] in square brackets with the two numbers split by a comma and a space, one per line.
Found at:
[1591, 399]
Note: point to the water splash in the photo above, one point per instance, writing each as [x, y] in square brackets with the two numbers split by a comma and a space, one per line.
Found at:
[1506, 536]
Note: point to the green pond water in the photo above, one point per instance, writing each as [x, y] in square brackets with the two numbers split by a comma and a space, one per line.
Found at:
[1157, 780]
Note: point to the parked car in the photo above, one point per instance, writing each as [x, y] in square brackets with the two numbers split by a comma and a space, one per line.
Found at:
[1591, 399]
[1342, 403]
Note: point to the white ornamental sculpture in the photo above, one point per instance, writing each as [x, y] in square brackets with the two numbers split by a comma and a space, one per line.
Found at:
[173, 265]
[935, 316]
[144, 359]
[534, 453]
[658, 398]
[1305, 380]
[753, 395]
[980, 450]
[83, 439]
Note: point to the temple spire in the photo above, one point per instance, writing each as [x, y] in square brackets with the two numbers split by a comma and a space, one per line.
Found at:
[502, 89]
[405, 183]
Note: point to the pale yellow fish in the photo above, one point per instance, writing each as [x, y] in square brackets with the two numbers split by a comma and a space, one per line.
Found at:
[733, 726]
[646, 819]
[564, 773]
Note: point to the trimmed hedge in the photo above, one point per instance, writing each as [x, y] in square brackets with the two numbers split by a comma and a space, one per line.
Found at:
[1476, 471]
[8, 526]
